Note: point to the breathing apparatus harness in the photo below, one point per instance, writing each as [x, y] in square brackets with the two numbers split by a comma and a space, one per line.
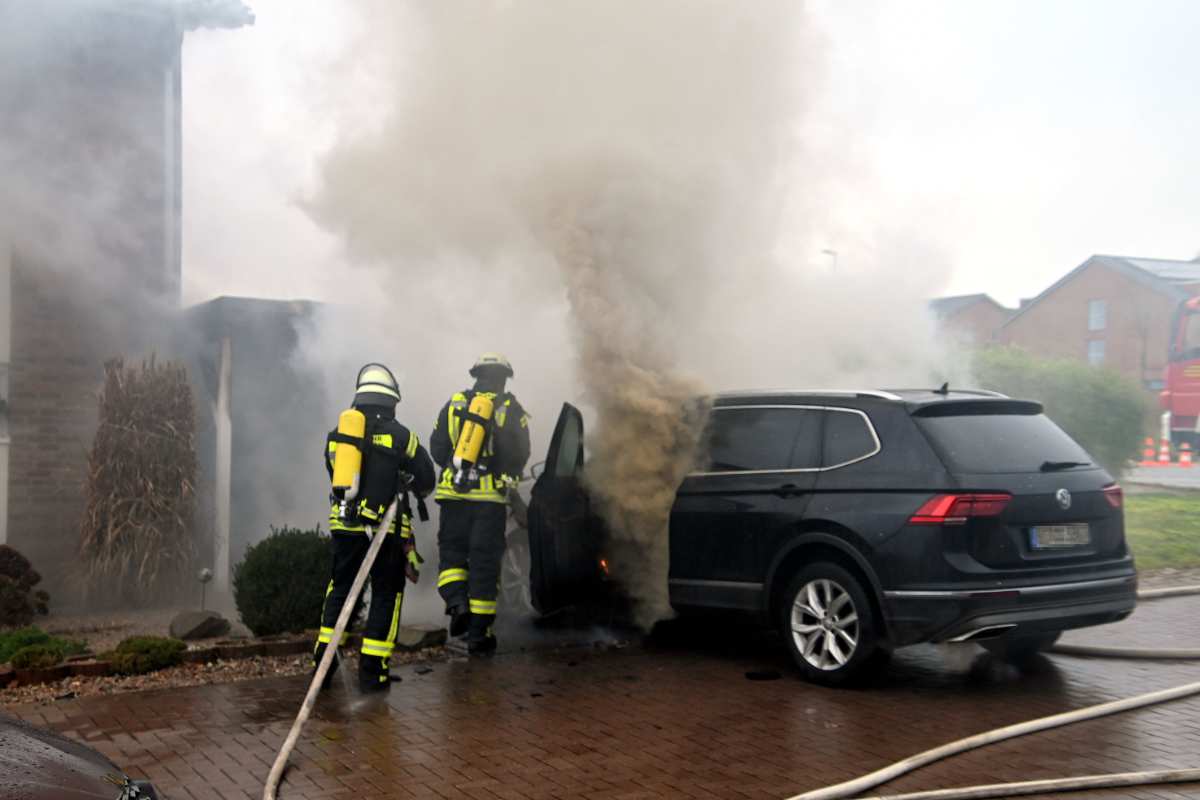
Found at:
[355, 450]
[349, 450]
[355, 444]
[477, 429]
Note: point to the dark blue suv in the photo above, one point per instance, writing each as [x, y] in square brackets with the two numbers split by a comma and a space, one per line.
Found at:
[859, 522]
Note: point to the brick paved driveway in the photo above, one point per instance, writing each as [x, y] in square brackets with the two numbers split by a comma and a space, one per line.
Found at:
[673, 717]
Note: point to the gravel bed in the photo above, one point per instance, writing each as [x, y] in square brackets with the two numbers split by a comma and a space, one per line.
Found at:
[181, 676]
[103, 631]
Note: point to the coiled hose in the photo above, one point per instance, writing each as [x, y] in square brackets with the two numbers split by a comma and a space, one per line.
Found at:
[854, 788]
[322, 670]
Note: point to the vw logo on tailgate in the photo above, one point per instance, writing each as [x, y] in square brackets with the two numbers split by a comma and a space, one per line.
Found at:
[1064, 499]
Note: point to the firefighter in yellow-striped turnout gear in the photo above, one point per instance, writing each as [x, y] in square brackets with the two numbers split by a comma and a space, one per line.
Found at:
[473, 495]
[392, 461]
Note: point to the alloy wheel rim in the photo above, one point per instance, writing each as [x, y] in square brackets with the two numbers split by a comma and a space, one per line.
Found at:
[825, 624]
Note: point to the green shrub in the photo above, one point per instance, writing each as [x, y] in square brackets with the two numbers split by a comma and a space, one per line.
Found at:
[36, 656]
[1101, 409]
[12, 641]
[19, 600]
[279, 587]
[141, 654]
[30, 648]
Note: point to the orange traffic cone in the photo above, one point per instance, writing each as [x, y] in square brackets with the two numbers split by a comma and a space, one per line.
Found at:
[1148, 457]
[1185, 455]
[1164, 453]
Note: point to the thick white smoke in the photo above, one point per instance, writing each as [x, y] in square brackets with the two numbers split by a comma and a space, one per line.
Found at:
[633, 170]
[73, 150]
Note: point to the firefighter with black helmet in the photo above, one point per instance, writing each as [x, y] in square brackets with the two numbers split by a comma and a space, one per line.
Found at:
[371, 459]
[481, 442]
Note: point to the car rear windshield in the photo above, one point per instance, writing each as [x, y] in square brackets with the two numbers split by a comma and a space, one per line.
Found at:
[993, 443]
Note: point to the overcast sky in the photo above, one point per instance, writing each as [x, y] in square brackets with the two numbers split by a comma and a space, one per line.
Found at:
[1013, 139]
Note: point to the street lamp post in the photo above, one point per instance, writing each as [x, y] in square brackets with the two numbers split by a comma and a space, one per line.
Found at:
[833, 253]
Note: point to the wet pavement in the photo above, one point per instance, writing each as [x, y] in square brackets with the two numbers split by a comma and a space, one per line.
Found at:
[578, 715]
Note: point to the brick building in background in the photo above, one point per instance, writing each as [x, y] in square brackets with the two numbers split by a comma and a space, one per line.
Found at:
[1113, 311]
[89, 240]
[969, 318]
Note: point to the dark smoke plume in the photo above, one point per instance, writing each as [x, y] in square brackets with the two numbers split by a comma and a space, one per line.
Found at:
[616, 176]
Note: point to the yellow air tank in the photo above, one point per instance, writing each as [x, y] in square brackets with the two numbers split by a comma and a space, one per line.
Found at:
[347, 459]
[471, 439]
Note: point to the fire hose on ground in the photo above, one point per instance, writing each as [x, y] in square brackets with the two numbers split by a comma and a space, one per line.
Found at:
[314, 688]
[854, 788]
[1156, 654]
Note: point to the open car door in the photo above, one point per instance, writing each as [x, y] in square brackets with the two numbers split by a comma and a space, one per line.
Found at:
[564, 544]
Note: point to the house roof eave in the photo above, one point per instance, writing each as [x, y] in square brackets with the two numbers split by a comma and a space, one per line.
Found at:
[1115, 263]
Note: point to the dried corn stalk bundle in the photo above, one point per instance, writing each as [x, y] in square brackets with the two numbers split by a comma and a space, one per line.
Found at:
[137, 532]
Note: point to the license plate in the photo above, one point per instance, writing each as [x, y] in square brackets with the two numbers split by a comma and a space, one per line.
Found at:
[1049, 537]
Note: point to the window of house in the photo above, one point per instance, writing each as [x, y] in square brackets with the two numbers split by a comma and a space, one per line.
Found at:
[4, 392]
[766, 438]
[1096, 352]
[1097, 315]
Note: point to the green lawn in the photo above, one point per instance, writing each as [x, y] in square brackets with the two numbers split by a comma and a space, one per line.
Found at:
[1163, 530]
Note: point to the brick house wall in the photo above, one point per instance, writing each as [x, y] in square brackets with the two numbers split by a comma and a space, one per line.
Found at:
[95, 276]
[975, 324]
[54, 374]
[1134, 335]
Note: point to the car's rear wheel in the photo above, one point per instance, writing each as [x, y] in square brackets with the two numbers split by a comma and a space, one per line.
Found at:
[829, 625]
[1020, 649]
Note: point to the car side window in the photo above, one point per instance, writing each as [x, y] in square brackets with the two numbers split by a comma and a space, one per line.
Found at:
[567, 463]
[848, 437]
[766, 438]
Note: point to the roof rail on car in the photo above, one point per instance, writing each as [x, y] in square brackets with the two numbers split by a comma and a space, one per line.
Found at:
[984, 392]
[813, 393]
[977, 392]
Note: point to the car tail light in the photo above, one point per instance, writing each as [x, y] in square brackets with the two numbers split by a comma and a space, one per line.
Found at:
[955, 509]
[1115, 495]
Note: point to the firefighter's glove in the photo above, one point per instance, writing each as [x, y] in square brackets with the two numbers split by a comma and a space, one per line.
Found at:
[412, 559]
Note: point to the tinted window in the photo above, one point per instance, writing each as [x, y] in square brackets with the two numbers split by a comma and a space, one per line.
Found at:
[1191, 336]
[566, 461]
[1000, 442]
[762, 438]
[847, 438]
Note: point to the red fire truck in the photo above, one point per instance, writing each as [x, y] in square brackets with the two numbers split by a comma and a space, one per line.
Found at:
[1181, 397]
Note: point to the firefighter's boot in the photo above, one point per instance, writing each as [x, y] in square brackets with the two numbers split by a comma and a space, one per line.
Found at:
[480, 638]
[460, 619]
[373, 674]
[318, 654]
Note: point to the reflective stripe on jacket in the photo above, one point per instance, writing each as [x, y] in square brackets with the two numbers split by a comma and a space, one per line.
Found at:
[338, 525]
